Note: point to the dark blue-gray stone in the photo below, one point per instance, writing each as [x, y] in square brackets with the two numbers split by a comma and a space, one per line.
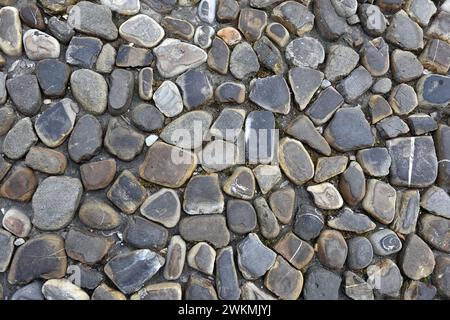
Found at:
[132, 57]
[146, 117]
[196, 88]
[433, 90]
[260, 136]
[349, 130]
[130, 271]
[309, 222]
[86, 139]
[414, 161]
[226, 277]
[83, 51]
[322, 109]
[392, 127]
[271, 93]
[321, 284]
[144, 234]
[360, 253]
[32, 291]
[53, 76]
[241, 216]
[29, 103]
[421, 123]
[121, 91]
[55, 124]
[127, 193]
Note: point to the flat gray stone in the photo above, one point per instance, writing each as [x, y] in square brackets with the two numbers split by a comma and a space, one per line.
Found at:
[163, 207]
[321, 284]
[55, 124]
[142, 265]
[349, 221]
[414, 162]
[90, 90]
[271, 93]
[360, 253]
[203, 195]
[211, 228]
[55, 202]
[93, 19]
[19, 139]
[305, 52]
[170, 65]
[30, 103]
[345, 137]
[196, 88]
[254, 258]
[243, 61]
[227, 283]
[122, 140]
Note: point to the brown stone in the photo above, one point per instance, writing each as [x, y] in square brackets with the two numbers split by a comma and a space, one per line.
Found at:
[99, 215]
[98, 175]
[46, 160]
[298, 252]
[19, 185]
[167, 165]
[52, 262]
[230, 35]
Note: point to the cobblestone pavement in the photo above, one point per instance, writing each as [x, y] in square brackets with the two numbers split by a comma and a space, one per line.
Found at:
[223, 149]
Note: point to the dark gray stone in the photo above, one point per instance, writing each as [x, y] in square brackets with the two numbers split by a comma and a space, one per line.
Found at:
[122, 141]
[374, 161]
[260, 136]
[254, 258]
[53, 77]
[360, 253]
[309, 222]
[30, 103]
[56, 123]
[121, 91]
[269, 55]
[271, 93]
[86, 139]
[196, 88]
[147, 117]
[93, 19]
[83, 51]
[345, 137]
[127, 193]
[226, 277]
[323, 108]
[143, 234]
[141, 265]
[211, 228]
[321, 284]
[347, 220]
[392, 127]
[132, 57]
[241, 216]
[414, 162]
